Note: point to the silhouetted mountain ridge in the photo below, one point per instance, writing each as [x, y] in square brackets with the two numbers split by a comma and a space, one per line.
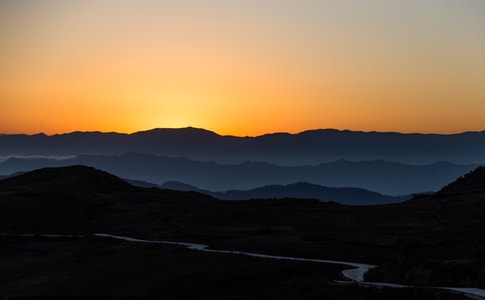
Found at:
[344, 195]
[303, 190]
[308, 147]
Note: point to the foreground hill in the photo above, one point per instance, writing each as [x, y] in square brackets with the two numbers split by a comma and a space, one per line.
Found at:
[308, 147]
[459, 213]
[71, 179]
[472, 181]
[432, 240]
[78, 199]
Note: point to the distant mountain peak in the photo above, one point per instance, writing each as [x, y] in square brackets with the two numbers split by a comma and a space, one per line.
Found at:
[184, 130]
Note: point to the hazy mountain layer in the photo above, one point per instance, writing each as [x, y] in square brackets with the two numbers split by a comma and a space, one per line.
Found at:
[351, 196]
[379, 176]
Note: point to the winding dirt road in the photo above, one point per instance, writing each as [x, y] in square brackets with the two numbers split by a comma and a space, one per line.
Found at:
[354, 274]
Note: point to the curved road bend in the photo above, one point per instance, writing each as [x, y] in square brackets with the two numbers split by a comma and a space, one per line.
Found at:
[355, 274]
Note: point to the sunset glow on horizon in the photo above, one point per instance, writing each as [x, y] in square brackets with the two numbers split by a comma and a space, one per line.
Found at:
[242, 67]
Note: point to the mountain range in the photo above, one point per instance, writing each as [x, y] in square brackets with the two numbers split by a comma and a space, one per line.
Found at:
[303, 190]
[380, 176]
[308, 147]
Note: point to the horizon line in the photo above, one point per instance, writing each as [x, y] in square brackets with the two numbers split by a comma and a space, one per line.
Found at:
[245, 136]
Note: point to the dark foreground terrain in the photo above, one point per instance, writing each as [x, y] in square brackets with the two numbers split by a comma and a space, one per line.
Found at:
[434, 240]
[55, 267]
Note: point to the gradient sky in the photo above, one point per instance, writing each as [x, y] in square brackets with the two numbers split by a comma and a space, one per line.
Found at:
[242, 67]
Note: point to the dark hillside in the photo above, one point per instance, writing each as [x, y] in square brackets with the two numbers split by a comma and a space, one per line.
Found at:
[79, 199]
[455, 245]
[434, 240]
[73, 178]
[472, 181]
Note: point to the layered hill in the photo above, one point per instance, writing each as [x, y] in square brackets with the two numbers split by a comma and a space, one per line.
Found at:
[305, 190]
[380, 176]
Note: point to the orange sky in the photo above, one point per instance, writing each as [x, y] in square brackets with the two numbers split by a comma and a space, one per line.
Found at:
[242, 67]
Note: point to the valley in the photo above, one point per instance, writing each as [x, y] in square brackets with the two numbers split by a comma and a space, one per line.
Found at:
[431, 240]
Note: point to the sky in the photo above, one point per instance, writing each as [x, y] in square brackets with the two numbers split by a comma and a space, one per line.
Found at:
[242, 67]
